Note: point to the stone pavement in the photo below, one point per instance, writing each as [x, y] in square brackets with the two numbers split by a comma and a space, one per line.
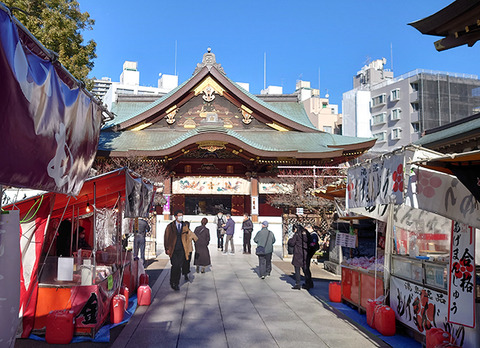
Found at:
[230, 306]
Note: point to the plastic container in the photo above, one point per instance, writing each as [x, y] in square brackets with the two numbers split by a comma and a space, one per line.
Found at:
[435, 337]
[117, 310]
[125, 292]
[144, 295]
[144, 279]
[385, 320]
[371, 306]
[60, 326]
[335, 292]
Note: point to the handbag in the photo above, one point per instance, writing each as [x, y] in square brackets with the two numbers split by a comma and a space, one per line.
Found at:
[260, 250]
[222, 231]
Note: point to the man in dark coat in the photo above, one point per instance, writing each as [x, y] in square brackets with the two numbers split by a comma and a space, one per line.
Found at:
[299, 242]
[175, 246]
[247, 227]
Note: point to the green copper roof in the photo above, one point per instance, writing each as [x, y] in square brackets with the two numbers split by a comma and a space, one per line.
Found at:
[290, 110]
[451, 132]
[154, 140]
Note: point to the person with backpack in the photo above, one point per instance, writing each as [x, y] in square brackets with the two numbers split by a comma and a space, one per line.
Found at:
[220, 220]
[312, 247]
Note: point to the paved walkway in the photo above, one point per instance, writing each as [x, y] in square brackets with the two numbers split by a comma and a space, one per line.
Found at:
[230, 306]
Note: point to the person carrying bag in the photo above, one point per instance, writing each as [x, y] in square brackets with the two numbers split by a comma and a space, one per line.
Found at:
[265, 240]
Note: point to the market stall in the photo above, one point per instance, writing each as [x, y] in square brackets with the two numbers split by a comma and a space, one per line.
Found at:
[431, 249]
[72, 257]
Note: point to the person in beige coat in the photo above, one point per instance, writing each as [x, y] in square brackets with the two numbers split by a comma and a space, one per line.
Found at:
[190, 237]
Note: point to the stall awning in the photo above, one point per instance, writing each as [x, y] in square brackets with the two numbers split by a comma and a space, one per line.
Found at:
[465, 166]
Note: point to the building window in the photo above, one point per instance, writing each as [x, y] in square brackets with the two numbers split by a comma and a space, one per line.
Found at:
[395, 94]
[381, 136]
[378, 119]
[327, 129]
[416, 127]
[396, 133]
[415, 107]
[395, 115]
[379, 100]
[414, 86]
[324, 105]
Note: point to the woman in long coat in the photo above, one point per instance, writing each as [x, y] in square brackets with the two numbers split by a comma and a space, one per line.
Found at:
[202, 255]
[299, 242]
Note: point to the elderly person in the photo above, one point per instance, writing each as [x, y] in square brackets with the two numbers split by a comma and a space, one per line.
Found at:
[229, 231]
[202, 255]
[299, 242]
[265, 238]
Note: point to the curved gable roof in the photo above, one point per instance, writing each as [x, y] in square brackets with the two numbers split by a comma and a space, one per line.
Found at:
[293, 118]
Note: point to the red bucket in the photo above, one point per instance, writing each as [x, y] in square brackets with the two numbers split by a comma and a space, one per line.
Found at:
[60, 325]
[385, 320]
[335, 292]
[125, 292]
[371, 306]
[117, 310]
[144, 295]
[144, 279]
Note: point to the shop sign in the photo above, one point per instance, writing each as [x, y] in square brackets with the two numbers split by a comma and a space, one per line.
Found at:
[461, 287]
[376, 183]
[442, 194]
[346, 240]
[211, 186]
[421, 309]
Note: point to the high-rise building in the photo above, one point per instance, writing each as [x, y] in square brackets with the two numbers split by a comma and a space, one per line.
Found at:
[397, 111]
[100, 87]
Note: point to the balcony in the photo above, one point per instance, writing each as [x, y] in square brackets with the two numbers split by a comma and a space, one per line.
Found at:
[414, 116]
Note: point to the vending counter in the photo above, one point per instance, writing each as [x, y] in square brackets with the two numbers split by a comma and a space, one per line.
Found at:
[90, 303]
[358, 286]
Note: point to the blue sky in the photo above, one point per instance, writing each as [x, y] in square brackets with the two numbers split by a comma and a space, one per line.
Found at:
[299, 37]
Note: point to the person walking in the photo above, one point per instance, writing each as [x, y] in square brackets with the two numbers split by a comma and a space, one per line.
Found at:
[247, 227]
[202, 255]
[140, 229]
[299, 243]
[175, 247]
[220, 221]
[312, 248]
[265, 238]
[229, 231]
[190, 237]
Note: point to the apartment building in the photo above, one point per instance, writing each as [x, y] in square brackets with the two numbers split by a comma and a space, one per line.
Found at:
[397, 111]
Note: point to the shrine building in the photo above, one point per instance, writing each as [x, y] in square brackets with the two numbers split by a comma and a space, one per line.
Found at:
[220, 144]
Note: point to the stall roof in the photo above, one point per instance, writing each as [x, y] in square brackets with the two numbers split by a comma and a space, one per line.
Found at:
[444, 163]
[108, 189]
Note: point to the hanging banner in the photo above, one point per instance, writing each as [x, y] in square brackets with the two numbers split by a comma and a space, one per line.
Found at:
[9, 277]
[442, 194]
[211, 186]
[50, 130]
[423, 309]
[461, 287]
[376, 183]
[274, 188]
[139, 197]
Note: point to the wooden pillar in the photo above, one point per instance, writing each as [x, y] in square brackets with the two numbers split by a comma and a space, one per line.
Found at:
[167, 193]
[254, 199]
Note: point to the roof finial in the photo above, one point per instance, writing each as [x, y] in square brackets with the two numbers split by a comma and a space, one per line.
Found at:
[209, 50]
